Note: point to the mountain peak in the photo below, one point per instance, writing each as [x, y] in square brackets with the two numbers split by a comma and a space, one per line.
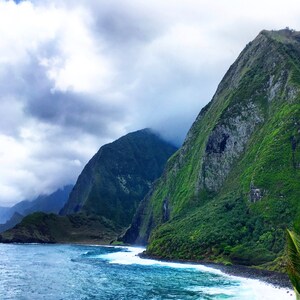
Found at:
[119, 175]
[232, 189]
[285, 35]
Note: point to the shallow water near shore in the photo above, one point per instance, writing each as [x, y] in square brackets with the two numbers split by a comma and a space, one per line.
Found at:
[98, 272]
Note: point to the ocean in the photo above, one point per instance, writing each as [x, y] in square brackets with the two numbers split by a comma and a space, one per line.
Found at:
[36, 271]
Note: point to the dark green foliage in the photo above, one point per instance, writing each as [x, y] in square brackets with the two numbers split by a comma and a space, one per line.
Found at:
[118, 177]
[242, 219]
[293, 265]
[51, 228]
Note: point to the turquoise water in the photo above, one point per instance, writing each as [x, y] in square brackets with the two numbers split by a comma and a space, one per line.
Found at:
[96, 272]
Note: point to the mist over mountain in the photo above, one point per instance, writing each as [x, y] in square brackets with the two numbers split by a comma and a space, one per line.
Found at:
[52, 203]
[118, 176]
[105, 197]
[227, 195]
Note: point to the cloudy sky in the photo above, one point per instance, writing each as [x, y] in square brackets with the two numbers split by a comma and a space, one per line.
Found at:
[77, 74]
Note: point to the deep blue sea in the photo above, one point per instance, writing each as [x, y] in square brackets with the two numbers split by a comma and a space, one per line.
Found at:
[98, 272]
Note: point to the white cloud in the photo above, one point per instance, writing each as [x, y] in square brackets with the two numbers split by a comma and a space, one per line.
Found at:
[77, 74]
[79, 64]
[23, 28]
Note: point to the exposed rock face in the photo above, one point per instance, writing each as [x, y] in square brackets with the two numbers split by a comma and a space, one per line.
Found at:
[166, 210]
[226, 143]
[256, 194]
[234, 185]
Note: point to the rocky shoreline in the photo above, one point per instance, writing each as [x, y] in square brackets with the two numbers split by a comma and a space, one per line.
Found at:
[277, 279]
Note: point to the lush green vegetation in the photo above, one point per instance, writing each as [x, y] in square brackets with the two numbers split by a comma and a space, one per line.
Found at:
[293, 265]
[105, 196]
[118, 177]
[50, 228]
[227, 224]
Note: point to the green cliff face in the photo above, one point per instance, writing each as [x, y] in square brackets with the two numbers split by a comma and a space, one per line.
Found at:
[233, 188]
[118, 177]
[106, 195]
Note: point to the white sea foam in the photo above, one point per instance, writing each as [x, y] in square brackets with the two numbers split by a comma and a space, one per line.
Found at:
[228, 291]
[131, 257]
[247, 289]
[258, 290]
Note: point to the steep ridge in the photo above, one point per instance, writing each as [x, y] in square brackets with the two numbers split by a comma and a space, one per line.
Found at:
[118, 176]
[233, 188]
[105, 196]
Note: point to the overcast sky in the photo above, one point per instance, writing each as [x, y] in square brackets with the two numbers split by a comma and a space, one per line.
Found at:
[75, 75]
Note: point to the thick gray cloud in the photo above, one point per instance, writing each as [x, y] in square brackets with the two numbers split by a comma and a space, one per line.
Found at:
[77, 74]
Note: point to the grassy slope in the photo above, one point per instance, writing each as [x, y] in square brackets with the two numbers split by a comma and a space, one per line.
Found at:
[50, 228]
[226, 226]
